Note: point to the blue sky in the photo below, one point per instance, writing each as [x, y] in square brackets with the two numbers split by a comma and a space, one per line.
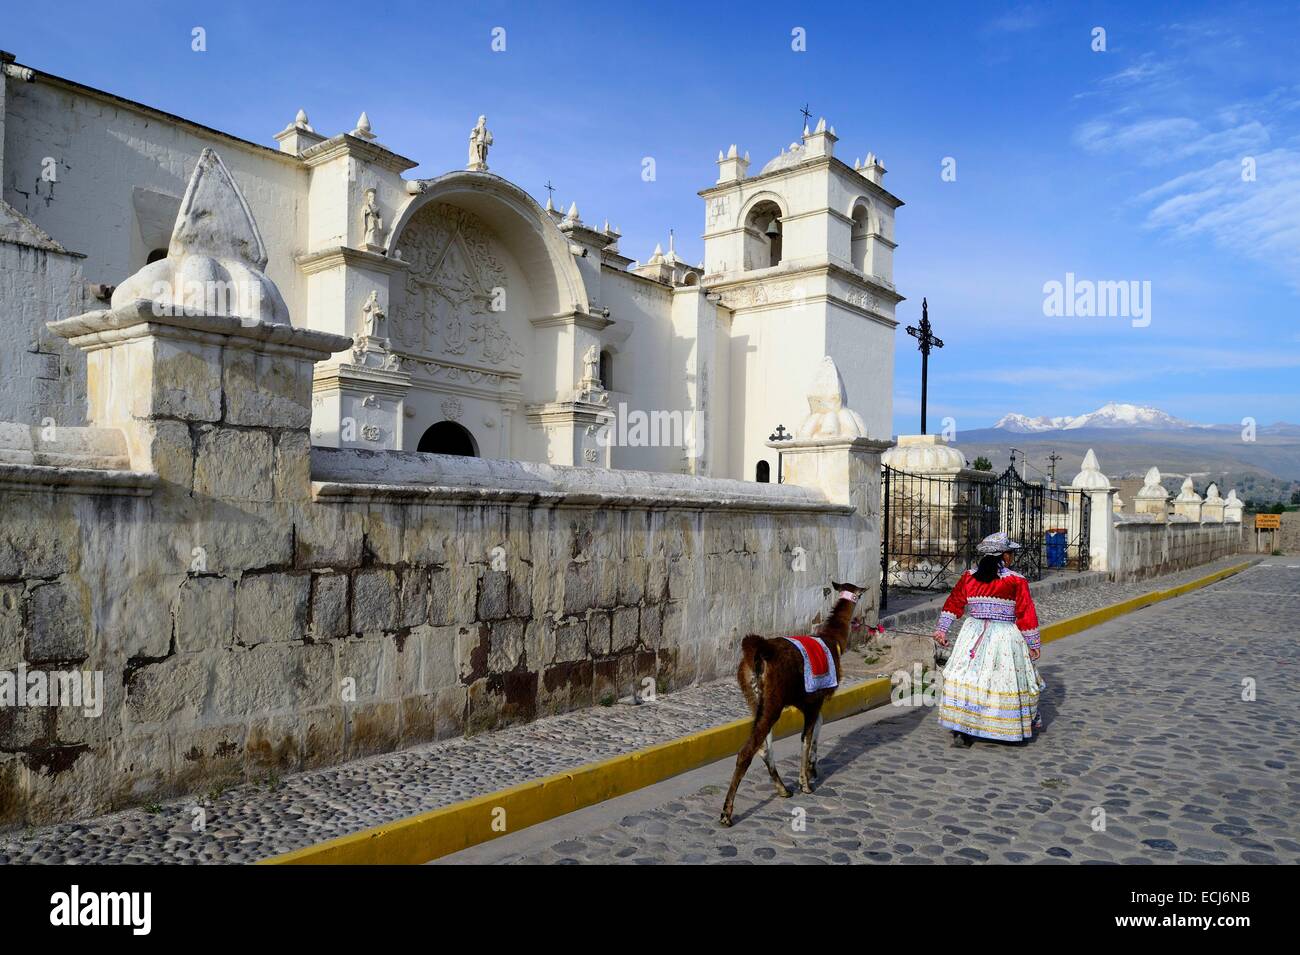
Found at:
[1116, 165]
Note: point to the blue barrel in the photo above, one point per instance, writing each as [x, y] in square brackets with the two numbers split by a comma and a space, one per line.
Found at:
[1056, 548]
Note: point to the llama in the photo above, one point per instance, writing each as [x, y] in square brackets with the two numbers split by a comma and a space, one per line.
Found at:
[771, 675]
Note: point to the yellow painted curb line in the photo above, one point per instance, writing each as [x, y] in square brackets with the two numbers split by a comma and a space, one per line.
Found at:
[439, 832]
[1064, 628]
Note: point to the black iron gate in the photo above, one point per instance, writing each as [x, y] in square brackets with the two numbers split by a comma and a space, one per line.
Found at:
[931, 525]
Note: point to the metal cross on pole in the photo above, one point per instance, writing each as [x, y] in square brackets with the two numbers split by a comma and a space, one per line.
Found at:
[550, 191]
[926, 340]
[807, 116]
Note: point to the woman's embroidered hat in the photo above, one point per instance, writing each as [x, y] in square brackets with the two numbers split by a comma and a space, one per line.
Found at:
[998, 543]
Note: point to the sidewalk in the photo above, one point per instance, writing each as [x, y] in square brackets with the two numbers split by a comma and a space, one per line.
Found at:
[252, 821]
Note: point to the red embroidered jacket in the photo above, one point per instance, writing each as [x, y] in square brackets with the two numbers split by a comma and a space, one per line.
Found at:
[1006, 598]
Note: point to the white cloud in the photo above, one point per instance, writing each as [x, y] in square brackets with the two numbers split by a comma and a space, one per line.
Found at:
[1167, 113]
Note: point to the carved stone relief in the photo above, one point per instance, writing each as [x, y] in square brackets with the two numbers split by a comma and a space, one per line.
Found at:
[450, 291]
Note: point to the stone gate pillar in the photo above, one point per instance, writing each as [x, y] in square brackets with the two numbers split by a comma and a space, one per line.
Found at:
[196, 361]
[830, 452]
[1101, 528]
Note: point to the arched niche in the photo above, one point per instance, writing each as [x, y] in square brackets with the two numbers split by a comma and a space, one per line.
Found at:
[521, 224]
[763, 235]
[860, 242]
[448, 437]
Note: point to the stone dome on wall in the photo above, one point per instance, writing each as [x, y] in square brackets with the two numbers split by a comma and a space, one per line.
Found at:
[923, 453]
[788, 158]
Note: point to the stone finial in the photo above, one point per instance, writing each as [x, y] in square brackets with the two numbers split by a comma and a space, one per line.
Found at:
[1152, 489]
[731, 167]
[1118, 504]
[363, 130]
[216, 259]
[1090, 477]
[298, 136]
[827, 416]
[1232, 498]
[572, 215]
[1214, 507]
[1188, 504]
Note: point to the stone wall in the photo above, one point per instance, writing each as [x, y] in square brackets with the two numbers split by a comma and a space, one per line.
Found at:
[41, 379]
[1287, 536]
[1147, 548]
[257, 607]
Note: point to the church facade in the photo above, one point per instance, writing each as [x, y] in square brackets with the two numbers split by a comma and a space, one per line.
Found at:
[483, 322]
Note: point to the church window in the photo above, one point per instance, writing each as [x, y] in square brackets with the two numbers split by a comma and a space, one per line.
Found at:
[763, 473]
[607, 371]
[448, 437]
[155, 255]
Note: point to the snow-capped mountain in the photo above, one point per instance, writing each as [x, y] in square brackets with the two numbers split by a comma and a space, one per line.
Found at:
[1023, 424]
[1111, 415]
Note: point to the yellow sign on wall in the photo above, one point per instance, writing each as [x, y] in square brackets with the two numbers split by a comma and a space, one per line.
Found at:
[1268, 522]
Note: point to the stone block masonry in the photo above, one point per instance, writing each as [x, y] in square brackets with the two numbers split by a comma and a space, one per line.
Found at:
[248, 626]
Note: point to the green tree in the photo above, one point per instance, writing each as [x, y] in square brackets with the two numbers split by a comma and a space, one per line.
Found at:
[984, 464]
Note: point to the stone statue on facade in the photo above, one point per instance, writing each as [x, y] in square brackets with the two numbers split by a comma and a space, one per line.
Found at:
[590, 388]
[479, 141]
[373, 222]
[374, 316]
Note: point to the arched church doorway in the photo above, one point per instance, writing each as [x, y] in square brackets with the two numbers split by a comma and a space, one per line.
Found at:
[448, 437]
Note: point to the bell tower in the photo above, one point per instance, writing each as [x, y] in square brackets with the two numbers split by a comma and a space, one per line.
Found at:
[801, 253]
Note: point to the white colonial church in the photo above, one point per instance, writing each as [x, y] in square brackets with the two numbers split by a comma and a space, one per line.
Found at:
[483, 323]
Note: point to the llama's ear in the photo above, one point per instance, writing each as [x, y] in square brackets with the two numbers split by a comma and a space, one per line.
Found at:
[836, 588]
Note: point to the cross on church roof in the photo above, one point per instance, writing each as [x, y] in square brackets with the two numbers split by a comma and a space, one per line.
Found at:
[550, 191]
[807, 115]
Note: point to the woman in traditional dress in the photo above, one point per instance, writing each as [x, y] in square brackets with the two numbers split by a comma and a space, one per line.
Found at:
[990, 684]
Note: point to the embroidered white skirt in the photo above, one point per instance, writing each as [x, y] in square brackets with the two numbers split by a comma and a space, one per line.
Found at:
[990, 686]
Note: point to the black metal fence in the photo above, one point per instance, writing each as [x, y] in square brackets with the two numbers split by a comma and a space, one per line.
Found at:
[931, 526]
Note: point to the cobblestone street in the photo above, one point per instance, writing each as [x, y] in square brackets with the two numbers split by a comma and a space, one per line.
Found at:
[259, 819]
[1145, 723]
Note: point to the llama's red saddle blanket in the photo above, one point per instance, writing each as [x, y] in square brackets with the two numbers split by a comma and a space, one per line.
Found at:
[818, 664]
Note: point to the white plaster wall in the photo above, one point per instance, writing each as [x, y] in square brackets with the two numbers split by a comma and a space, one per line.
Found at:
[105, 149]
[774, 354]
[863, 348]
[647, 361]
